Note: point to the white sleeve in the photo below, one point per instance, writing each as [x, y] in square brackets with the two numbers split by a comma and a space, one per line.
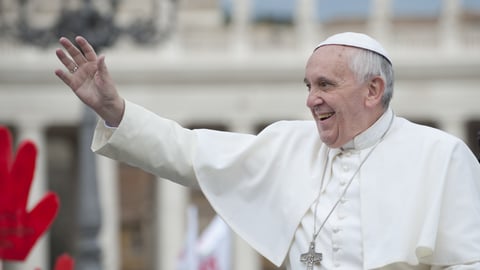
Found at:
[152, 143]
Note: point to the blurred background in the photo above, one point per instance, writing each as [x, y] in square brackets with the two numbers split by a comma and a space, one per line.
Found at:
[233, 65]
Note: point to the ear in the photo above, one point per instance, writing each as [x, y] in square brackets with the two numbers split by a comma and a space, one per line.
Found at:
[376, 88]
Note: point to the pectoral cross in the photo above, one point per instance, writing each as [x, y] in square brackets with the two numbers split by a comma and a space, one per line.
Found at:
[311, 257]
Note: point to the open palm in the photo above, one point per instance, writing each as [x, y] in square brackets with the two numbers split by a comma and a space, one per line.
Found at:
[89, 79]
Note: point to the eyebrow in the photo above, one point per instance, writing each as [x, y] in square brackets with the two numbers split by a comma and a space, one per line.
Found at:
[321, 79]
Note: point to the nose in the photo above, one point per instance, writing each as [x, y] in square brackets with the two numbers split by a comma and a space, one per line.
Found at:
[314, 99]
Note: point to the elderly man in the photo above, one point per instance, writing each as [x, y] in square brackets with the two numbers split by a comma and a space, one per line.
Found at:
[356, 188]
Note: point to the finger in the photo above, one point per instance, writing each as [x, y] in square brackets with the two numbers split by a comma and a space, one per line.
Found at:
[22, 173]
[86, 48]
[43, 214]
[66, 78]
[73, 51]
[66, 61]
[5, 152]
[5, 161]
[39, 219]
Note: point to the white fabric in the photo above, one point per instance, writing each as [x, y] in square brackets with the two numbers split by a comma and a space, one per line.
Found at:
[419, 190]
[340, 241]
[357, 40]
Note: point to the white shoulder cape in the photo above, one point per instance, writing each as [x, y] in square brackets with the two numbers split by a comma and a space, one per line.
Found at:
[420, 189]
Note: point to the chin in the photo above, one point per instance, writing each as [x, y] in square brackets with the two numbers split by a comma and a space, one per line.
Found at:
[326, 141]
[332, 143]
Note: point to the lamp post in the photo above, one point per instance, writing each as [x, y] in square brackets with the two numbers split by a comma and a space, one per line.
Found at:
[100, 28]
[88, 252]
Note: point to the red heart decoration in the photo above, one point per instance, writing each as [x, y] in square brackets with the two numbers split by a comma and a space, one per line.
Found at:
[19, 228]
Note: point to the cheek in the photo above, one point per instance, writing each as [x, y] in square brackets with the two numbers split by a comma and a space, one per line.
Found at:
[352, 104]
[347, 118]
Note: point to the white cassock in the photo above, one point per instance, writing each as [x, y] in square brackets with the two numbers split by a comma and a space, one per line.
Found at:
[415, 201]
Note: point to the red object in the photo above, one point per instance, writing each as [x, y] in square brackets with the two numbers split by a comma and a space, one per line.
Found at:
[20, 228]
[64, 262]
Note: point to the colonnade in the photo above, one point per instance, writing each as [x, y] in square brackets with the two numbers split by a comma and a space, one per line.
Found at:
[31, 100]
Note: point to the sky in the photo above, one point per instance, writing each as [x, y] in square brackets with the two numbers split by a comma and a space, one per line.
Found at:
[327, 10]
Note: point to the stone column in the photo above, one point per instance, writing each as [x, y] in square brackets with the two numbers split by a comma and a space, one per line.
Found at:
[109, 203]
[245, 257]
[306, 25]
[455, 126]
[449, 26]
[240, 26]
[171, 204]
[243, 125]
[379, 23]
[168, 23]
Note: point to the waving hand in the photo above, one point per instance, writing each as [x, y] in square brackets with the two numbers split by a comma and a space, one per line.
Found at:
[89, 79]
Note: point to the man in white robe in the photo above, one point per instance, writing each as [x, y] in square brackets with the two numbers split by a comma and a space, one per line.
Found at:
[368, 189]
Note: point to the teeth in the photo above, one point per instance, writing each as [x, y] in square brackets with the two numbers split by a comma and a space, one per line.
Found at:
[323, 116]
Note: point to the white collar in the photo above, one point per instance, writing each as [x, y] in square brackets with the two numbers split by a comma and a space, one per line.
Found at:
[372, 134]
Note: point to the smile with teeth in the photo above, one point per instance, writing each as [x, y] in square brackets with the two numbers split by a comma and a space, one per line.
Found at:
[324, 116]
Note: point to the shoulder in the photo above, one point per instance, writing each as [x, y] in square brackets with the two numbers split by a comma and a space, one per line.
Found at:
[297, 127]
[422, 132]
[291, 134]
[425, 137]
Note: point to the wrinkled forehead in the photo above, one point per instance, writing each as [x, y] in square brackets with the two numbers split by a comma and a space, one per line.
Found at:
[331, 55]
[330, 60]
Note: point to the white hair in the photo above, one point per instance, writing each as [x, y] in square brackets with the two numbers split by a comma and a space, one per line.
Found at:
[367, 64]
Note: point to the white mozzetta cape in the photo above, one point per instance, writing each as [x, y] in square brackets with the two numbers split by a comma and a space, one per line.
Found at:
[420, 188]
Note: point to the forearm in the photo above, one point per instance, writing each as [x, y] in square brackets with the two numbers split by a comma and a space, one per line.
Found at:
[152, 143]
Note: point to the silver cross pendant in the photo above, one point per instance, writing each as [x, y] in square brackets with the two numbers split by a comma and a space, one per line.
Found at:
[311, 257]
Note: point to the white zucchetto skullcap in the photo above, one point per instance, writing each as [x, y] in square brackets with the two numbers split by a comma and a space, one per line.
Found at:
[357, 40]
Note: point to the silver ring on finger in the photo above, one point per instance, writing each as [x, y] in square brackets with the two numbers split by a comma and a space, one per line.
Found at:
[75, 68]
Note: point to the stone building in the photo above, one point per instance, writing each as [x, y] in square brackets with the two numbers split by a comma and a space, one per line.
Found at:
[233, 65]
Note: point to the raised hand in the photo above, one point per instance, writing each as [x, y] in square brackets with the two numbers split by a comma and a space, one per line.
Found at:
[19, 228]
[89, 79]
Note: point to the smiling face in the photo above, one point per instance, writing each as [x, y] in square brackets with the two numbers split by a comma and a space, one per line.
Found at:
[341, 105]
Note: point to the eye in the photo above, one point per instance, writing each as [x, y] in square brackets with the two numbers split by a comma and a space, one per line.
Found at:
[308, 87]
[321, 84]
[325, 84]
[307, 84]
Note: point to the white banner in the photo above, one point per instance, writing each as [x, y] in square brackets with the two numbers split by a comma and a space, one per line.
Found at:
[214, 246]
[188, 259]
[212, 251]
